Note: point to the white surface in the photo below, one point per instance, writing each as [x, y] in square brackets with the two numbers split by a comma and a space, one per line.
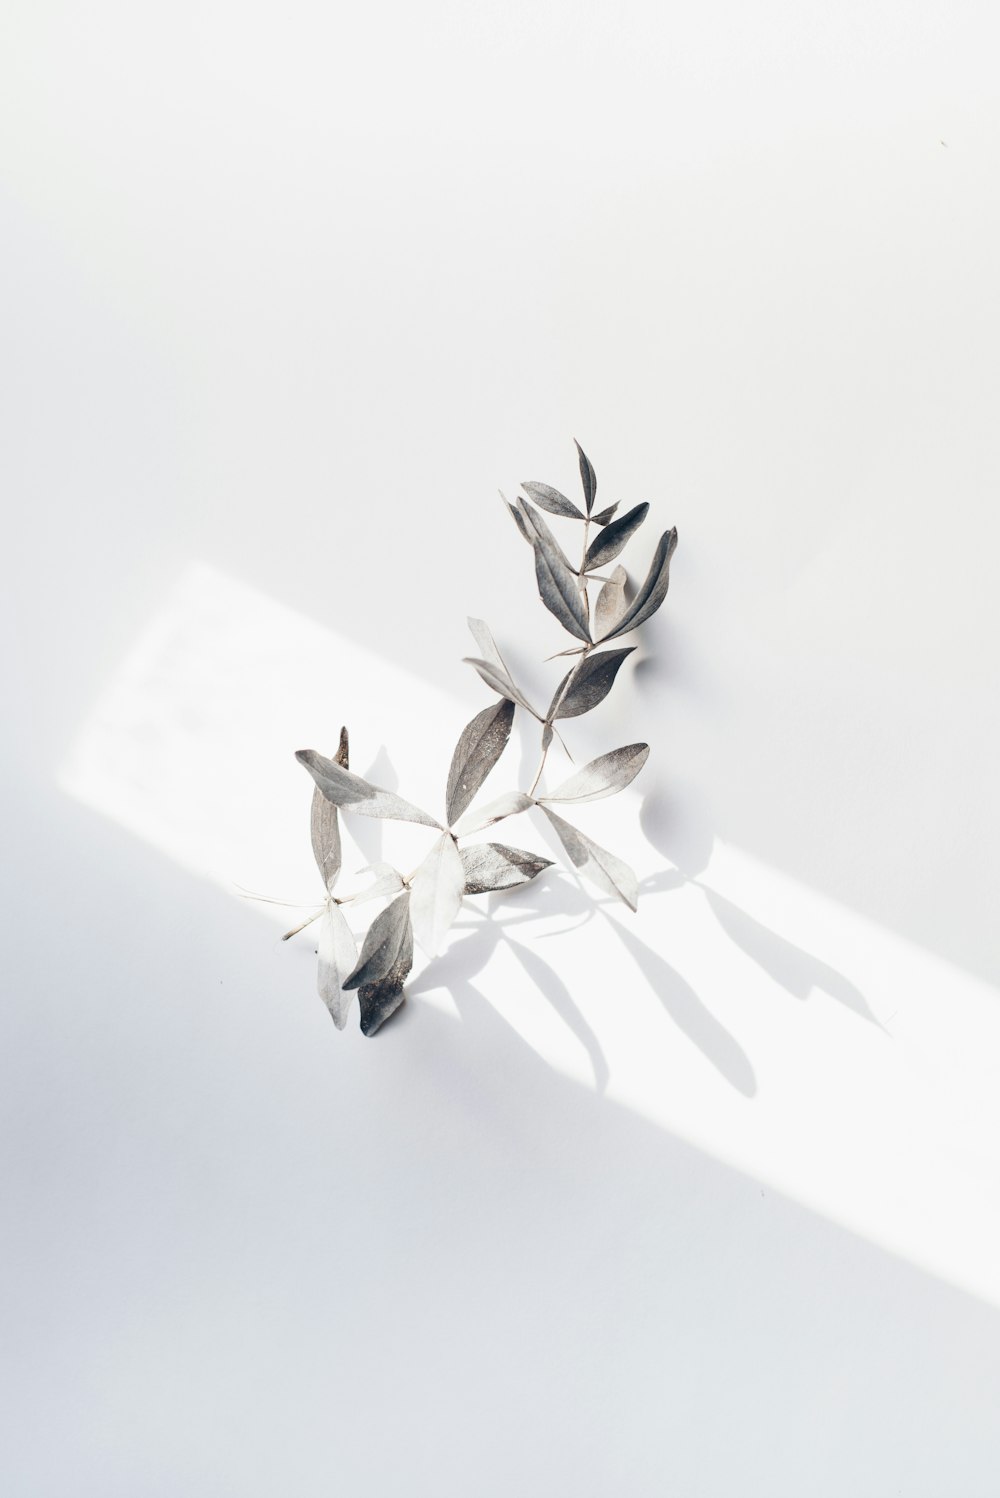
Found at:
[702, 1202]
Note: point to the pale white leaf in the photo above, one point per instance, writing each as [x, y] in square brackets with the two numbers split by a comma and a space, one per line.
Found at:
[596, 864]
[611, 605]
[355, 794]
[337, 952]
[494, 811]
[604, 776]
[436, 894]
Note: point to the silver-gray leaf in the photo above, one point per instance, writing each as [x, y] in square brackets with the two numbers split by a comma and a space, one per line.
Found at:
[605, 517]
[380, 997]
[498, 678]
[491, 866]
[485, 643]
[387, 881]
[615, 537]
[604, 776]
[383, 943]
[353, 793]
[337, 952]
[325, 825]
[653, 591]
[588, 477]
[611, 603]
[596, 863]
[519, 521]
[558, 584]
[494, 811]
[477, 751]
[436, 891]
[539, 530]
[591, 682]
[550, 499]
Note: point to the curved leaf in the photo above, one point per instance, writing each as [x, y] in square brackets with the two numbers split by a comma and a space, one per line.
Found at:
[477, 751]
[611, 603]
[596, 863]
[615, 537]
[494, 811]
[654, 589]
[436, 891]
[383, 943]
[354, 794]
[337, 952]
[518, 520]
[325, 826]
[387, 881]
[591, 682]
[603, 776]
[605, 516]
[492, 866]
[538, 530]
[588, 477]
[485, 643]
[560, 593]
[498, 678]
[550, 499]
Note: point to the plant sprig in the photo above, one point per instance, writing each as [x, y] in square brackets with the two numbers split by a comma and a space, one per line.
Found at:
[422, 905]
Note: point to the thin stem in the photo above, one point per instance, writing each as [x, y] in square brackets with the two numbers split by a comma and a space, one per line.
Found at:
[296, 929]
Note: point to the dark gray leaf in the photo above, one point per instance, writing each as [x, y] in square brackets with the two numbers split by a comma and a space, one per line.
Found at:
[497, 678]
[653, 591]
[477, 751]
[383, 995]
[558, 590]
[325, 826]
[345, 789]
[615, 537]
[596, 863]
[337, 952]
[606, 515]
[436, 890]
[603, 776]
[490, 866]
[550, 499]
[383, 943]
[591, 682]
[588, 476]
[538, 530]
[611, 603]
[494, 811]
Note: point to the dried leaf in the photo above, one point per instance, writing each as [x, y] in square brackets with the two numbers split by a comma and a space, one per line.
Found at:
[436, 891]
[560, 593]
[325, 827]
[477, 751]
[338, 952]
[605, 516]
[588, 476]
[485, 643]
[653, 591]
[491, 866]
[494, 811]
[519, 521]
[615, 537]
[538, 530]
[382, 944]
[596, 863]
[603, 776]
[611, 603]
[386, 959]
[591, 682]
[498, 678]
[354, 794]
[387, 881]
[550, 499]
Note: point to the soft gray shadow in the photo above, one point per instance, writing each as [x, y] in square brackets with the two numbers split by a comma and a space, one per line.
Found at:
[367, 831]
[675, 825]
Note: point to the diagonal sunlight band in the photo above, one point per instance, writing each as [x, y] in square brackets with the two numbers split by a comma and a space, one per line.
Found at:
[751, 1016]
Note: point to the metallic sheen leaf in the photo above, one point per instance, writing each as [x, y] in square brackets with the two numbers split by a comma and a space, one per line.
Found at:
[354, 794]
[588, 477]
[477, 751]
[653, 591]
[491, 866]
[604, 776]
[436, 891]
[591, 682]
[494, 811]
[325, 825]
[337, 952]
[615, 537]
[605, 517]
[497, 678]
[558, 590]
[611, 603]
[383, 943]
[596, 863]
[550, 499]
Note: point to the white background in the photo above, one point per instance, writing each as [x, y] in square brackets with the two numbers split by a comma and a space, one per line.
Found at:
[700, 1202]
